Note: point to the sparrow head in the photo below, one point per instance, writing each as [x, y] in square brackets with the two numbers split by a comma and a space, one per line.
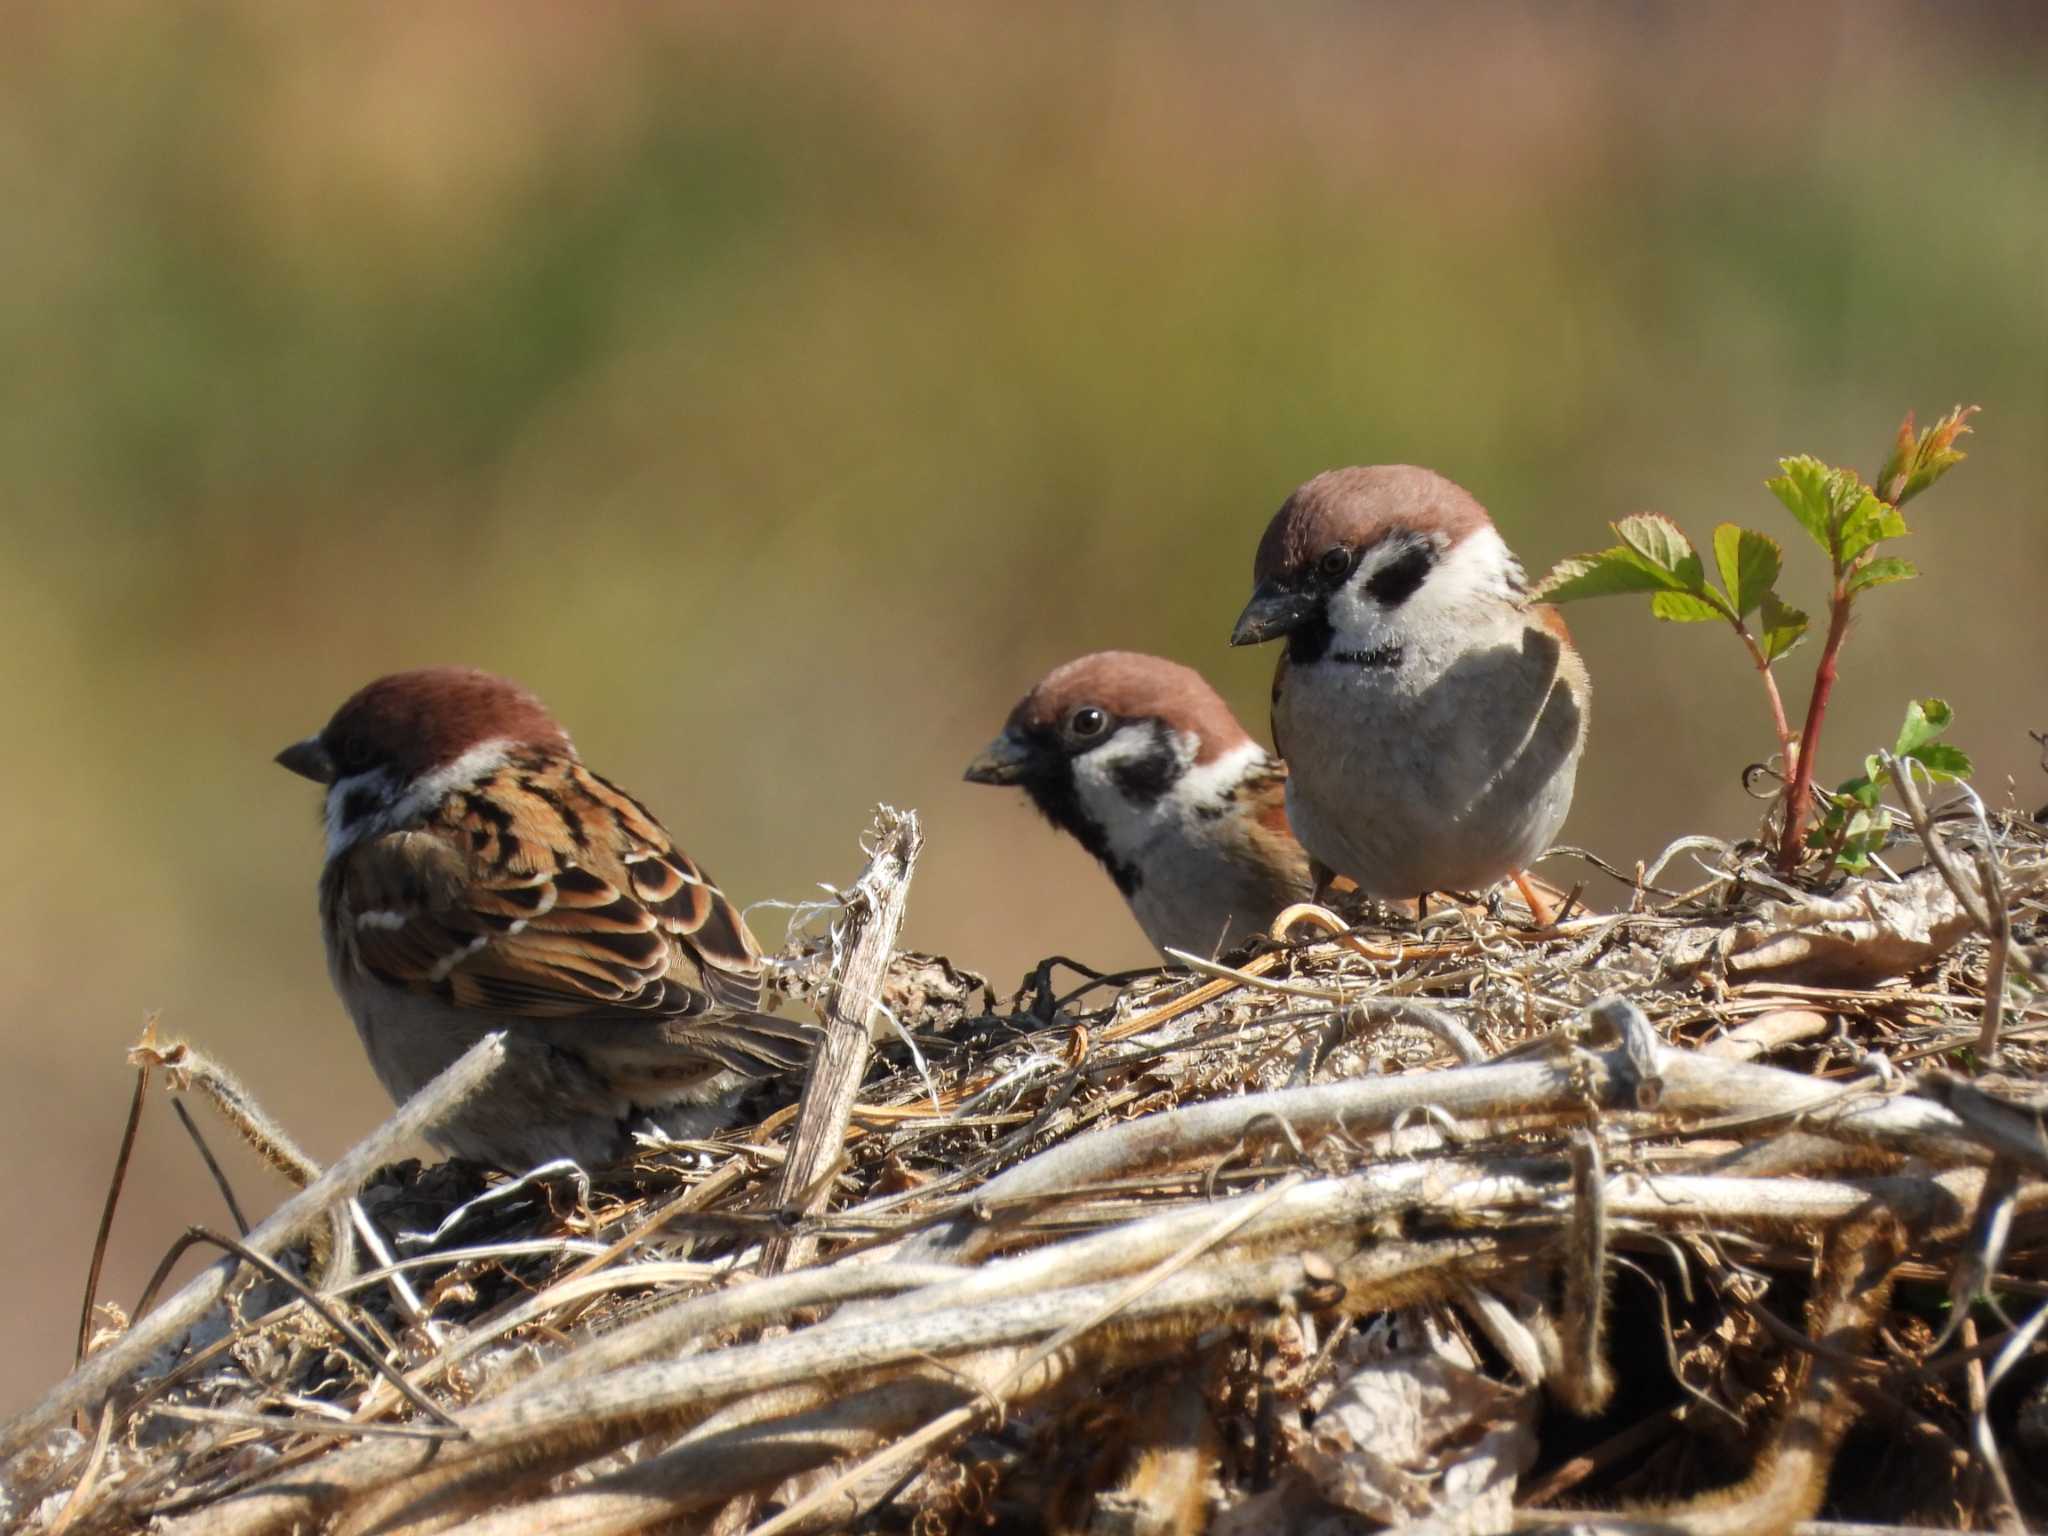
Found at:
[1353, 548]
[1112, 745]
[401, 743]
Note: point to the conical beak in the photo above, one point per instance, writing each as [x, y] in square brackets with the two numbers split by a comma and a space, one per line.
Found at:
[309, 760]
[1273, 611]
[1005, 761]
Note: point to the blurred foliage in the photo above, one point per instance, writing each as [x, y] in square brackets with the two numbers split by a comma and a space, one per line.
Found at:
[780, 390]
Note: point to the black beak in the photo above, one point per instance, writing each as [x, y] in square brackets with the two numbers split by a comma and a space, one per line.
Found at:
[309, 760]
[1274, 611]
[1006, 760]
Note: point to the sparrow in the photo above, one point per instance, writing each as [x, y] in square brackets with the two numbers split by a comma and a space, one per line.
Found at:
[478, 878]
[1144, 764]
[1431, 716]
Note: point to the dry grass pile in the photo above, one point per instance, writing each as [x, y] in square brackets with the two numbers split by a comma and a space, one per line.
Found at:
[1726, 1210]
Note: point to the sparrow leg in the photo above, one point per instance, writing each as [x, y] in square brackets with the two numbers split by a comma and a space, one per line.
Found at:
[1540, 911]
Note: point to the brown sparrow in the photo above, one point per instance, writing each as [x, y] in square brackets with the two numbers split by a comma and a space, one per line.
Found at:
[480, 878]
[1431, 716]
[1146, 766]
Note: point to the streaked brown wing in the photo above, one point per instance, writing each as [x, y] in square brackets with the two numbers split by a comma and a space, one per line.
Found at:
[547, 893]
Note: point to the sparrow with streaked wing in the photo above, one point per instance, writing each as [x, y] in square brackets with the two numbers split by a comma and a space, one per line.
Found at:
[479, 877]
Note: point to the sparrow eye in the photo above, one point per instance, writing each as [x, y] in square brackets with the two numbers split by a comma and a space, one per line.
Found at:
[353, 754]
[1087, 723]
[1334, 564]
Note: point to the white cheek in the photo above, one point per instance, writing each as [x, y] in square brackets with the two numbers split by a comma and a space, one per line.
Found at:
[1480, 566]
[1210, 783]
[1126, 823]
[394, 813]
[1478, 569]
[1353, 612]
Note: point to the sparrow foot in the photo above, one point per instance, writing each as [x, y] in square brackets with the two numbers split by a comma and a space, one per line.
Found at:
[1541, 913]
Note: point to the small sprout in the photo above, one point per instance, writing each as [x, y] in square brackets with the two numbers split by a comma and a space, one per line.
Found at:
[1917, 462]
[1847, 520]
[1855, 827]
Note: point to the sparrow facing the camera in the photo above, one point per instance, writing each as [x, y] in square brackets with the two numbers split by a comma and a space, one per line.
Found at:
[1144, 764]
[480, 878]
[1431, 716]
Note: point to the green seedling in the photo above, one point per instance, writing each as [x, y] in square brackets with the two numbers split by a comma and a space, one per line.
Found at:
[1854, 824]
[1849, 521]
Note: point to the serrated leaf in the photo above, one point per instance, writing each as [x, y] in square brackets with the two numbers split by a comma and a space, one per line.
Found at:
[1749, 563]
[1803, 488]
[1688, 608]
[1882, 571]
[1943, 761]
[1865, 522]
[1780, 626]
[1664, 545]
[1603, 573]
[1925, 720]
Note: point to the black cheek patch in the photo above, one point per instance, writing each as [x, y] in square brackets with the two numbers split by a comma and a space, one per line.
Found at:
[359, 805]
[1395, 582]
[1150, 774]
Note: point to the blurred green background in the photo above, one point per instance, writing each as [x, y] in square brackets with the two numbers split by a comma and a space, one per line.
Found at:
[780, 390]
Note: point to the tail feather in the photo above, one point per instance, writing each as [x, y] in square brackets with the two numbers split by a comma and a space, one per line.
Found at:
[755, 1044]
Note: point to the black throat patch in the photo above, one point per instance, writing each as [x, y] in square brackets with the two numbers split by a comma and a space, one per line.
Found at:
[1380, 658]
[1051, 788]
[1309, 641]
[1060, 804]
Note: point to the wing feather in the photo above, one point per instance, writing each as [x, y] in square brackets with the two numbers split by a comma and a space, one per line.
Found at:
[546, 893]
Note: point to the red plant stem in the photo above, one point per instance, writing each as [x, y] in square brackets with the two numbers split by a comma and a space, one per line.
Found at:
[1786, 745]
[1799, 789]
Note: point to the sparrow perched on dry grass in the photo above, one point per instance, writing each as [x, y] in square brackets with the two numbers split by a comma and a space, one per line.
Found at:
[480, 878]
[1146, 766]
[1431, 716]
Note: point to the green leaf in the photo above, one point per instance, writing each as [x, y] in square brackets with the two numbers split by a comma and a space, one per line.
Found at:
[1664, 545]
[1749, 563]
[1780, 626]
[1803, 488]
[1865, 833]
[1882, 571]
[1686, 608]
[1604, 573]
[1867, 521]
[1925, 720]
[1943, 761]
